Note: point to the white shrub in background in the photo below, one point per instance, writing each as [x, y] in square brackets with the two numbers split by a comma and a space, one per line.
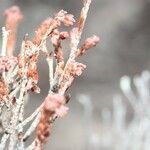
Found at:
[116, 132]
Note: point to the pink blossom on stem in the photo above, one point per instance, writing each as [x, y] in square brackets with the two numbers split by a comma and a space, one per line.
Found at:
[75, 68]
[50, 24]
[53, 105]
[41, 31]
[13, 16]
[89, 43]
[61, 111]
[66, 19]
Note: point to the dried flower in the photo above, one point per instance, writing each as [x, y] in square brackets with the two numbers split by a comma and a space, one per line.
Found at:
[54, 102]
[32, 73]
[75, 68]
[61, 111]
[42, 30]
[56, 36]
[22, 75]
[66, 19]
[53, 105]
[13, 16]
[72, 70]
[89, 43]
[46, 28]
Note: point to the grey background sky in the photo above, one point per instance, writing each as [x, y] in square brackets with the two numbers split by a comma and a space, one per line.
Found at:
[124, 30]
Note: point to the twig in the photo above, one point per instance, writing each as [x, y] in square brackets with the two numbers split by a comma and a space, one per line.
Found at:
[4, 44]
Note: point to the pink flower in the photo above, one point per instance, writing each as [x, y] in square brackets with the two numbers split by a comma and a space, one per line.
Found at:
[6, 62]
[63, 35]
[56, 36]
[47, 27]
[75, 68]
[89, 43]
[41, 31]
[13, 16]
[61, 111]
[55, 104]
[66, 19]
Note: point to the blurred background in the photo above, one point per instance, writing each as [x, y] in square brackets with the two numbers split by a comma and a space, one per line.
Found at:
[124, 30]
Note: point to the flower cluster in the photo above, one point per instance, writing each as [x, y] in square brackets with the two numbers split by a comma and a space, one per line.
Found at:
[89, 43]
[13, 16]
[65, 18]
[19, 75]
[50, 24]
[54, 105]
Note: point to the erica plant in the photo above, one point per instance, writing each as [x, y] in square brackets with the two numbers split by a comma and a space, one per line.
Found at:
[19, 76]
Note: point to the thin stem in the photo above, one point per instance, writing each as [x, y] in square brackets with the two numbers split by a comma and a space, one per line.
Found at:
[14, 119]
[4, 140]
[82, 19]
[5, 38]
[50, 65]
[31, 117]
[32, 127]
